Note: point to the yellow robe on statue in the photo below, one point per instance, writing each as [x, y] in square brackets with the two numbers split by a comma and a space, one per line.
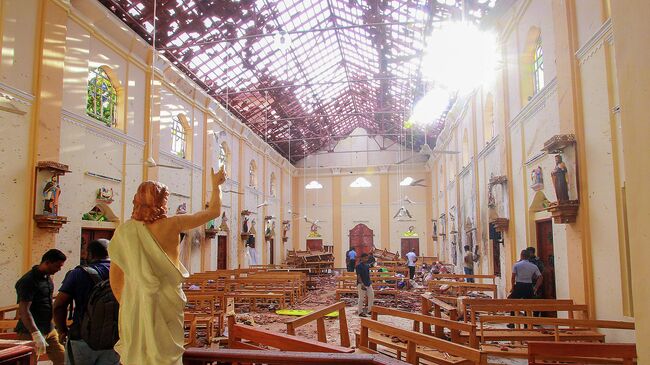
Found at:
[151, 312]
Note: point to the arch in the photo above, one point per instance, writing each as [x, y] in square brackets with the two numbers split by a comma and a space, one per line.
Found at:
[252, 174]
[526, 63]
[465, 148]
[104, 97]
[488, 118]
[272, 185]
[223, 158]
[539, 202]
[181, 132]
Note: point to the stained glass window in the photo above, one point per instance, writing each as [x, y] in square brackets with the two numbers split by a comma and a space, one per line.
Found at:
[101, 101]
[538, 66]
[179, 141]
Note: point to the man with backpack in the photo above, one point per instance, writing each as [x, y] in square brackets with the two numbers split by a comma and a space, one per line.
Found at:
[94, 329]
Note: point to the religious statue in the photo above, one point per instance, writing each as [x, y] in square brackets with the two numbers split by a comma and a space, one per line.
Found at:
[560, 180]
[537, 179]
[146, 250]
[105, 195]
[224, 223]
[286, 225]
[244, 228]
[435, 228]
[51, 193]
[411, 232]
[267, 230]
[252, 230]
[181, 209]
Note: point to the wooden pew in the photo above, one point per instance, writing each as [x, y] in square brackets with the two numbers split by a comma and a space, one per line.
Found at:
[16, 353]
[208, 357]
[382, 283]
[528, 309]
[461, 287]
[611, 353]
[469, 302]
[282, 290]
[439, 325]
[435, 306]
[8, 321]
[418, 346]
[204, 309]
[319, 316]
[548, 329]
[491, 279]
[299, 278]
[250, 338]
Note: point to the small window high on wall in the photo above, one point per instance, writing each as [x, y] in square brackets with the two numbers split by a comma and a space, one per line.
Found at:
[538, 66]
[101, 101]
[179, 137]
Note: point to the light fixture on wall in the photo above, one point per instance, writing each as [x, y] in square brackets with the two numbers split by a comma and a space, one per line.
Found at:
[313, 185]
[361, 182]
[407, 181]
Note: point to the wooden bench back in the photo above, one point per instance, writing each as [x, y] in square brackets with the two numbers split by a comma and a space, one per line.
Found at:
[427, 321]
[415, 339]
[238, 333]
[462, 287]
[540, 352]
[200, 356]
[319, 316]
[528, 308]
[8, 318]
[491, 279]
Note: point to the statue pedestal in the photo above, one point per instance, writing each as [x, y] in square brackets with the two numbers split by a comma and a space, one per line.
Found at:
[51, 223]
[211, 233]
[564, 212]
[500, 224]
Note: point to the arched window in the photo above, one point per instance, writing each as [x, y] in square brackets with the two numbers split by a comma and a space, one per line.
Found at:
[179, 137]
[538, 66]
[488, 118]
[272, 186]
[101, 101]
[224, 157]
[465, 149]
[252, 174]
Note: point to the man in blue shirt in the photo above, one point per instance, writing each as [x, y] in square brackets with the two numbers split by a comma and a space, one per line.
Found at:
[350, 259]
[364, 287]
[76, 287]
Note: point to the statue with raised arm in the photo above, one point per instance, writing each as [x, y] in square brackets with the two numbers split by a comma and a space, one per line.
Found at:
[146, 275]
[560, 180]
[51, 193]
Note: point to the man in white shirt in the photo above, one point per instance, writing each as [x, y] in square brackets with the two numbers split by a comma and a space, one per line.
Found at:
[411, 258]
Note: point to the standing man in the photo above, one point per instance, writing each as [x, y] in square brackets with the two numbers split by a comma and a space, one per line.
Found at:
[34, 295]
[524, 274]
[77, 286]
[411, 259]
[468, 261]
[350, 259]
[364, 287]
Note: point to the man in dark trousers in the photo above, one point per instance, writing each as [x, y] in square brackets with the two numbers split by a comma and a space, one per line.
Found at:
[526, 279]
[34, 291]
[364, 287]
[350, 259]
[77, 287]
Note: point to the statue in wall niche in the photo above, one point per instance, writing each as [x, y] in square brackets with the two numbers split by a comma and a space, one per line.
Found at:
[224, 223]
[146, 249]
[182, 209]
[435, 228]
[51, 194]
[105, 195]
[454, 253]
[560, 180]
[537, 179]
[252, 230]
[267, 230]
[244, 227]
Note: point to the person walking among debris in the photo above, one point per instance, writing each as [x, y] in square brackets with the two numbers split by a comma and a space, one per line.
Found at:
[364, 287]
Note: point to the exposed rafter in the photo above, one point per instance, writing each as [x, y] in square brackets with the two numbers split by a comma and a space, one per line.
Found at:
[347, 63]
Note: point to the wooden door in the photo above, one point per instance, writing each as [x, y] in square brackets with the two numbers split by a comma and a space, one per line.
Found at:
[91, 234]
[315, 244]
[361, 239]
[546, 253]
[222, 252]
[271, 254]
[408, 244]
[495, 239]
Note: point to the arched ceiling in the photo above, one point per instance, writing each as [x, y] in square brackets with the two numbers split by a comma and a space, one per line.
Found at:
[303, 74]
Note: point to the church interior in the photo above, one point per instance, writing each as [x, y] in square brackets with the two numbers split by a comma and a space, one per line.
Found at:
[464, 131]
